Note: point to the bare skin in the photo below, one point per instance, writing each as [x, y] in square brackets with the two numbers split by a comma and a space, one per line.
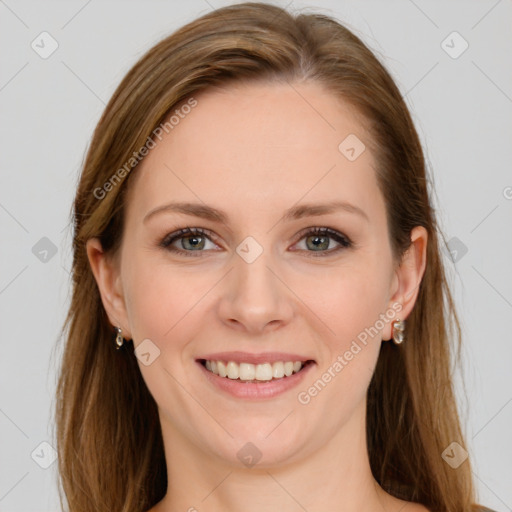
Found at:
[255, 151]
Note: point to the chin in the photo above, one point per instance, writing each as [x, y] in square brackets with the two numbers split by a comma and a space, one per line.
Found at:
[261, 444]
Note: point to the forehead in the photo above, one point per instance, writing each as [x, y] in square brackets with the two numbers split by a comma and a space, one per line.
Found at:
[258, 146]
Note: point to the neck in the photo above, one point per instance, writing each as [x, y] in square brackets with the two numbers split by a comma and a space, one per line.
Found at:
[334, 475]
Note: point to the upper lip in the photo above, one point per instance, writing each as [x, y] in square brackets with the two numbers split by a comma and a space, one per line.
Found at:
[263, 357]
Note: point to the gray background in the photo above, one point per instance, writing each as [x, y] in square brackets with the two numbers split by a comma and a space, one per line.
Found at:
[462, 108]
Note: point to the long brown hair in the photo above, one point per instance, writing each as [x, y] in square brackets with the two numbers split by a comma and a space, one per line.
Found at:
[110, 448]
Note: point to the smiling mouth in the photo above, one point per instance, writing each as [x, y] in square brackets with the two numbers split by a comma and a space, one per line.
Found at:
[254, 373]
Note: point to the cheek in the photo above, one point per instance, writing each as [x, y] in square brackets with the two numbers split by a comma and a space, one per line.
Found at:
[340, 302]
[346, 300]
[349, 303]
[159, 301]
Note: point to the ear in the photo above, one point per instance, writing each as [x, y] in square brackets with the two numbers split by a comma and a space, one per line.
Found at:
[407, 278]
[108, 279]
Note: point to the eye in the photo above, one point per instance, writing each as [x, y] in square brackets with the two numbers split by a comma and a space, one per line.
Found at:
[318, 240]
[193, 240]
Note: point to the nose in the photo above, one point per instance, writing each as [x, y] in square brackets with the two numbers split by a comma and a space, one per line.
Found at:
[255, 297]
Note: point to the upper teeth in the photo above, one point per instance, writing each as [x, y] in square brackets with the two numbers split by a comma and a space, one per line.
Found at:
[248, 371]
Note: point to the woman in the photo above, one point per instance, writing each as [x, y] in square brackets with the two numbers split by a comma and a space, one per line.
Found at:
[257, 318]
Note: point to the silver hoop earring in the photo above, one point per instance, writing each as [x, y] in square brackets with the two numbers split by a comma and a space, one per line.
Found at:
[397, 331]
[119, 338]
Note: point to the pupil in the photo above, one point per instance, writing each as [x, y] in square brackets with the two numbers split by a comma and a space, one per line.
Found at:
[320, 245]
[195, 242]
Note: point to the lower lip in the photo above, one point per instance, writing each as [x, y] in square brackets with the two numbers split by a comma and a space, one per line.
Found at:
[255, 390]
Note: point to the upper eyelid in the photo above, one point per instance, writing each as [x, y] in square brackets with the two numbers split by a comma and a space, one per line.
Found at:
[189, 231]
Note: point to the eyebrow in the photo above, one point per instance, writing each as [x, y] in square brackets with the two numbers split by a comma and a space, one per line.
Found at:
[204, 211]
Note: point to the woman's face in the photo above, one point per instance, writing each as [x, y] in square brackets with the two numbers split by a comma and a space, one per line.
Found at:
[260, 282]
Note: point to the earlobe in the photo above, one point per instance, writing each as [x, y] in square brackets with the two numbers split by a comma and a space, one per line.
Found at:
[108, 280]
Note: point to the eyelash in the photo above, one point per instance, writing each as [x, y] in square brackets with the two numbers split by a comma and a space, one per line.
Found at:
[343, 240]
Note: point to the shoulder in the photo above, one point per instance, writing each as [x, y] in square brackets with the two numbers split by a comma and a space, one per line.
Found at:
[407, 506]
[418, 507]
